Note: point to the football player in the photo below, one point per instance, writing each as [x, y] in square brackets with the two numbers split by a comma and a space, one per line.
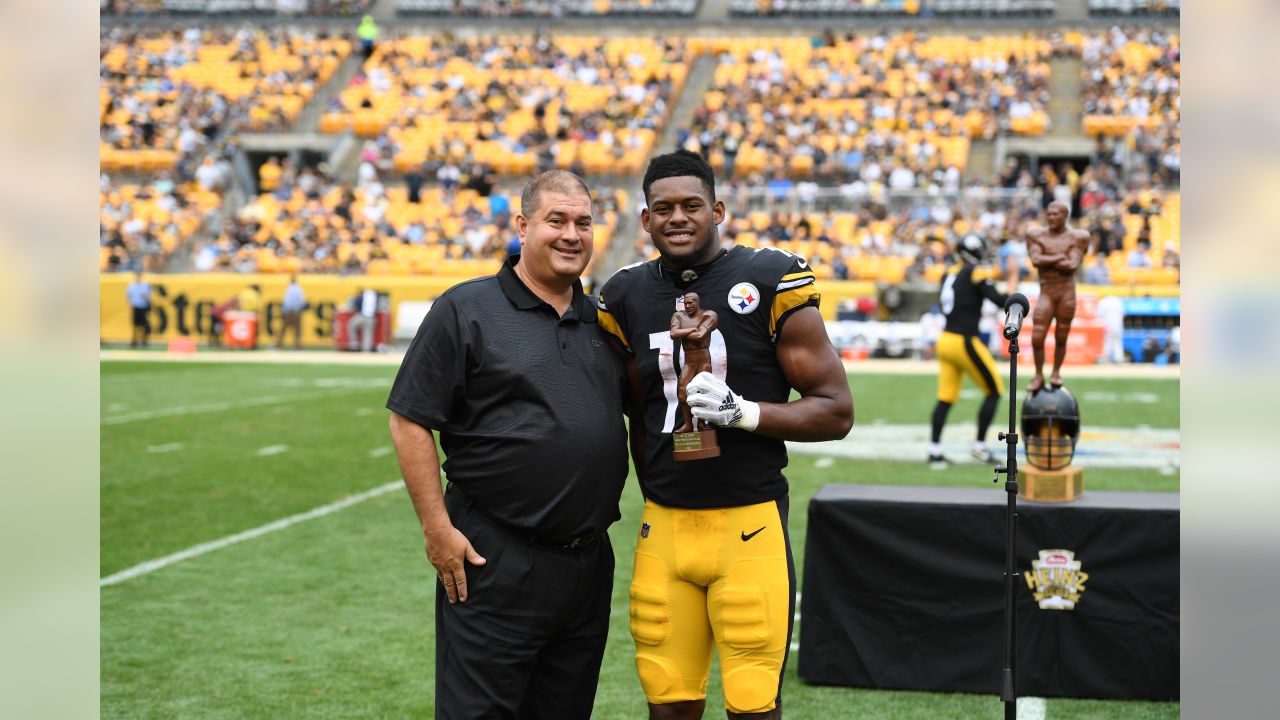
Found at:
[713, 566]
[961, 352]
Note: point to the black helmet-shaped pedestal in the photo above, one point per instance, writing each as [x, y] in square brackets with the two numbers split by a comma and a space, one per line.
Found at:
[1050, 427]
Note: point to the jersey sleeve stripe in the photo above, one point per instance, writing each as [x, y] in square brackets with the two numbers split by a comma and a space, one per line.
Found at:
[788, 300]
[610, 324]
[792, 284]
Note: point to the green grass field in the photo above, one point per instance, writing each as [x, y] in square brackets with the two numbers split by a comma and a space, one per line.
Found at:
[333, 617]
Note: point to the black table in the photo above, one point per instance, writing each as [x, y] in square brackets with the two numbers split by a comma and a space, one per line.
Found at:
[904, 589]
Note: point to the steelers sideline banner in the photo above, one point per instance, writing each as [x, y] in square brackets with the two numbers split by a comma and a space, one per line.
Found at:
[182, 305]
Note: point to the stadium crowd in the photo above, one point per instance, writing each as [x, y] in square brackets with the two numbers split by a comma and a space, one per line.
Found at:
[1132, 90]
[888, 108]
[303, 221]
[341, 8]
[849, 233]
[1134, 8]
[891, 8]
[866, 175]
[548, 8]
[517, 104]
[165, 95]
[140, 227]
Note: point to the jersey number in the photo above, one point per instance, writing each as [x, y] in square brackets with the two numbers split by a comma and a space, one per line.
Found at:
[662, 342]
[947, 297]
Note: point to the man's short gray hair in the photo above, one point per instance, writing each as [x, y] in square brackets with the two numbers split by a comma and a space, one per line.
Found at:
[557, 181]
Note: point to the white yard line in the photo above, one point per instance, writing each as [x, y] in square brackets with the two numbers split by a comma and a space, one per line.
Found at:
[220, 406]
[272, 450]
[379, 452]
[1030, 708]
[170, 447]
[147, 378]
[201, 549]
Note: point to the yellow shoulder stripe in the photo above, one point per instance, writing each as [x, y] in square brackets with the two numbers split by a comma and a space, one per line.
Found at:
[610, 324]
[788, 300]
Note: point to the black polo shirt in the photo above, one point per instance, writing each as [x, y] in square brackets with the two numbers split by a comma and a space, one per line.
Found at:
[528, 404]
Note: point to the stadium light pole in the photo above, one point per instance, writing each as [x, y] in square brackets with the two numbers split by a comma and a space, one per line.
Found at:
[1016, 307]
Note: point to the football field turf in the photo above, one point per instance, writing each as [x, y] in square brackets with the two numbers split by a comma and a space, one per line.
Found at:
[332, 616]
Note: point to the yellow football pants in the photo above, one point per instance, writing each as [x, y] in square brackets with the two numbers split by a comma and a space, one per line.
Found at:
[718, 579]
[960, 355]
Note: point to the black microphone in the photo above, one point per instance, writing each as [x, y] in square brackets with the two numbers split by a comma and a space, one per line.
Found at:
[1017, 307]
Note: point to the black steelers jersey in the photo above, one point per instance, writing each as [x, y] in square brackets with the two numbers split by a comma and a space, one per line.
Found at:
[752, 291]
[960, 298]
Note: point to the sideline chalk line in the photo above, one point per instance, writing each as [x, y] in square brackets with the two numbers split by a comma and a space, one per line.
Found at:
[203, 548]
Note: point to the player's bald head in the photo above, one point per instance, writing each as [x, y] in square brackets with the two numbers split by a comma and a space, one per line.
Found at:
[1066, 209]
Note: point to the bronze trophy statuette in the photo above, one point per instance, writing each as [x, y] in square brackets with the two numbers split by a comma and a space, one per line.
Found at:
[692, 326]
[1056, 252]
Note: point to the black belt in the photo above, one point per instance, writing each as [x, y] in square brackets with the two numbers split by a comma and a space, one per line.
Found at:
[576, 543]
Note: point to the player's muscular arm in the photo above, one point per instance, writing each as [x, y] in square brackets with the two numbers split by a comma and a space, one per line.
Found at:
[635, 410]
[635, 403]
[447, 548]
[811, 365]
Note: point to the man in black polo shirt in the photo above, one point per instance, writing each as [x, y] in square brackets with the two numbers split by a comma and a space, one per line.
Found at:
[514, 374]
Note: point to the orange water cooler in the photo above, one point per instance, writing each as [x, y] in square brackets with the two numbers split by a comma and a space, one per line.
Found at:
[240, 329]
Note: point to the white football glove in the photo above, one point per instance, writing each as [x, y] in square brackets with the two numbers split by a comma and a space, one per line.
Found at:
[711, 401]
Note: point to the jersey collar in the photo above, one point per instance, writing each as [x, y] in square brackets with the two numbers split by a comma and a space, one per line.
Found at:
[689, 275]
[523, 298]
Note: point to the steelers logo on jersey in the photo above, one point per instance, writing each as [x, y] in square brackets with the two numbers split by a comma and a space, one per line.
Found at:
[744, 298]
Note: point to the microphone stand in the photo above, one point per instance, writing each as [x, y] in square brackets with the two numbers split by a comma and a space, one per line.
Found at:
[1009, 678]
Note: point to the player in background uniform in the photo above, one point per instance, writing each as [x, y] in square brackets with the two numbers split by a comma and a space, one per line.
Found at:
[961, 351]
[713, 565]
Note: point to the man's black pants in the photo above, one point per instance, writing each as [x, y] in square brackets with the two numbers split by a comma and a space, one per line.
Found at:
[528, 642]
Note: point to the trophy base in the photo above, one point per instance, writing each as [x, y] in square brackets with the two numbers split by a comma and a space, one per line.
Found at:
[696, 445]
[1062, 485]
